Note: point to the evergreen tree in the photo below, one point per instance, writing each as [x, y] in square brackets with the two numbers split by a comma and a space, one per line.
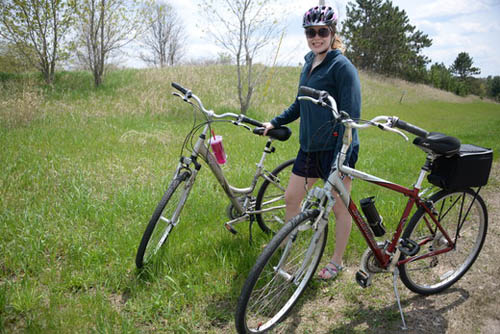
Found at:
[380, 38]
[441, 77]
[462, 66]
[493, 87]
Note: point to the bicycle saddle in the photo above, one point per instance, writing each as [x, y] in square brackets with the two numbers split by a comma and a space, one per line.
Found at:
[282, 133]
[438, 143]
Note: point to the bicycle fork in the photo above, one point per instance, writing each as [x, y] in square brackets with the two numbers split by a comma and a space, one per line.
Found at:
[295, 277]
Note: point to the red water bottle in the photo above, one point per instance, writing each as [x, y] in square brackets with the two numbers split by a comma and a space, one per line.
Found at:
[218, 149]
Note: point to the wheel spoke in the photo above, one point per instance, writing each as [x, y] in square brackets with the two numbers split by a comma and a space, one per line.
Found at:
[270, 201]
[281, 275]
[463, 221]
[161, 223]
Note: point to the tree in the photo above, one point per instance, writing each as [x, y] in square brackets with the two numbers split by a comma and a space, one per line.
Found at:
[36, 30]
[163, 35]
[103, 28]
[243, 28]
[462, 66]
[13, 62]
[380, 38]
[493, 87]
[440, 77]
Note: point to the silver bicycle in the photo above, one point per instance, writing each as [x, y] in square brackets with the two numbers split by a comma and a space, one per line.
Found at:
[266, 208]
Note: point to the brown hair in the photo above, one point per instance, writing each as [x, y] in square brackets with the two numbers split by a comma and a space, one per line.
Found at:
[337, 43]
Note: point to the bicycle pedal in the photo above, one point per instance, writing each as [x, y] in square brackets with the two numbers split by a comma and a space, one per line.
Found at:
[409, 247]
[230, 228]
[363, 279]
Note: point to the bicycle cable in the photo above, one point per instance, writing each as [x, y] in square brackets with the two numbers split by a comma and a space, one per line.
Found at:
[188, 140]
[333, 124]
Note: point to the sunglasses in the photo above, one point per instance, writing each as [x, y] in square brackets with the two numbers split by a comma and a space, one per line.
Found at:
[322, 32]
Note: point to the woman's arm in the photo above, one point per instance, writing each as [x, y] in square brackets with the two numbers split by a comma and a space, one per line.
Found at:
[287, 116]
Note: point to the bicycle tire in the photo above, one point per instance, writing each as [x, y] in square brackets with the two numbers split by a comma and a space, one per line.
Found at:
[435, 274]
[255, 312]
[156, 235]
[273, 194]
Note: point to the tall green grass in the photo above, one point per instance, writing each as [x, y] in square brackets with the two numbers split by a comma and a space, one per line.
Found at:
[82, 170]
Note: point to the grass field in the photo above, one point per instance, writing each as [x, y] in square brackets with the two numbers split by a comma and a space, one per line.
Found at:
[82, 170]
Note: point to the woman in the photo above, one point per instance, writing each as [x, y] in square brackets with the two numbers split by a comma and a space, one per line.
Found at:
[320, 139]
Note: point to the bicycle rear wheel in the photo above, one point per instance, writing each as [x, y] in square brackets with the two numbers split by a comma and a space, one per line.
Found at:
[280, 275]
[272, 195]
[464, 217]
[161, 224]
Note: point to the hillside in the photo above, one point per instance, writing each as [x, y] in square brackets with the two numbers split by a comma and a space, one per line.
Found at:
[139, 91]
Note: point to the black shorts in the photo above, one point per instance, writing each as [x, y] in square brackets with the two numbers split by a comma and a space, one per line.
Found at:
[314, 164]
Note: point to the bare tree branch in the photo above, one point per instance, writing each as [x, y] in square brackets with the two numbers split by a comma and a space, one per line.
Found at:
[245, 28]
[162, 39]
[104, 27]
[37, 27]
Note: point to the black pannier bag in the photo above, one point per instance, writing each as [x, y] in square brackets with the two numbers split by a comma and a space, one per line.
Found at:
[470, 167]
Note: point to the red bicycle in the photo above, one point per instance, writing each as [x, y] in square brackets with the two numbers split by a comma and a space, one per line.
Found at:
[429, 252]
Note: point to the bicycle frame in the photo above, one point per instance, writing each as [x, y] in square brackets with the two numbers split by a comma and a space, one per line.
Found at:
[201, 149]
[388, 257]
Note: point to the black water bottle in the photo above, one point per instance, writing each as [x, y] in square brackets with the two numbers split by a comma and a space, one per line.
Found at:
[372, 215]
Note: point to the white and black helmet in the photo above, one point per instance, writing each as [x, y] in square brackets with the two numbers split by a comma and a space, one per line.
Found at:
[320, 16]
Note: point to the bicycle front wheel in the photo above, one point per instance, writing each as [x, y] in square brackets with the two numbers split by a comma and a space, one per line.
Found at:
[161, 224]
[281, 274]
[463, 216]
[271, 198]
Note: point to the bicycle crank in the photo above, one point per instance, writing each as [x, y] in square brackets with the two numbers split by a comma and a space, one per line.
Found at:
[369, 267]
[247, 203]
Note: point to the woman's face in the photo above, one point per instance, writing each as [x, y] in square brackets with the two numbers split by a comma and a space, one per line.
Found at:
[318, 38]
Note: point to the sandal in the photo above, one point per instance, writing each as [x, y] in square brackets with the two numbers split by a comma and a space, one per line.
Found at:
[330, 271]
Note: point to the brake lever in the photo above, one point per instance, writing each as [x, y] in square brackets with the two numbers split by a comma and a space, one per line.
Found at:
[184, 97]
[388, 128]
[243, 125]
[315, 101]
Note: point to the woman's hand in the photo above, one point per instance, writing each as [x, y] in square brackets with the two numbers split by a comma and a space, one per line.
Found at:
[268, 127]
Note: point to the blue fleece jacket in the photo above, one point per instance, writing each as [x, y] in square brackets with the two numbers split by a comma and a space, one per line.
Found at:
[339, 78]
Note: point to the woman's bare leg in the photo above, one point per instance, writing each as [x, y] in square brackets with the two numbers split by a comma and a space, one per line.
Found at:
[295, 193]
[343, 224]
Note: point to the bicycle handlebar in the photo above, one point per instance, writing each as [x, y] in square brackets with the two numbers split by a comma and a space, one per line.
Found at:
[320, 97]
[187, 95]
[180, 88]
[409, 127]
[311, 92]
[251, 121]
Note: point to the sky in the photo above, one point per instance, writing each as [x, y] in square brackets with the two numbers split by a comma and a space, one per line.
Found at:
[455, 26]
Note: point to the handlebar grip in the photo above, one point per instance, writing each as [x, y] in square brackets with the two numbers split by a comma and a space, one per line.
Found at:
[308, 91]
[411, 128]
[251, 121]
[179, 88]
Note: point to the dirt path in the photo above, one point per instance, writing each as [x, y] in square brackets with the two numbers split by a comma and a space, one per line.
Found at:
[472, 305]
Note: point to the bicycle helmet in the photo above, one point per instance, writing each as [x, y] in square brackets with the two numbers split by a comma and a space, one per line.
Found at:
[320, 16]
